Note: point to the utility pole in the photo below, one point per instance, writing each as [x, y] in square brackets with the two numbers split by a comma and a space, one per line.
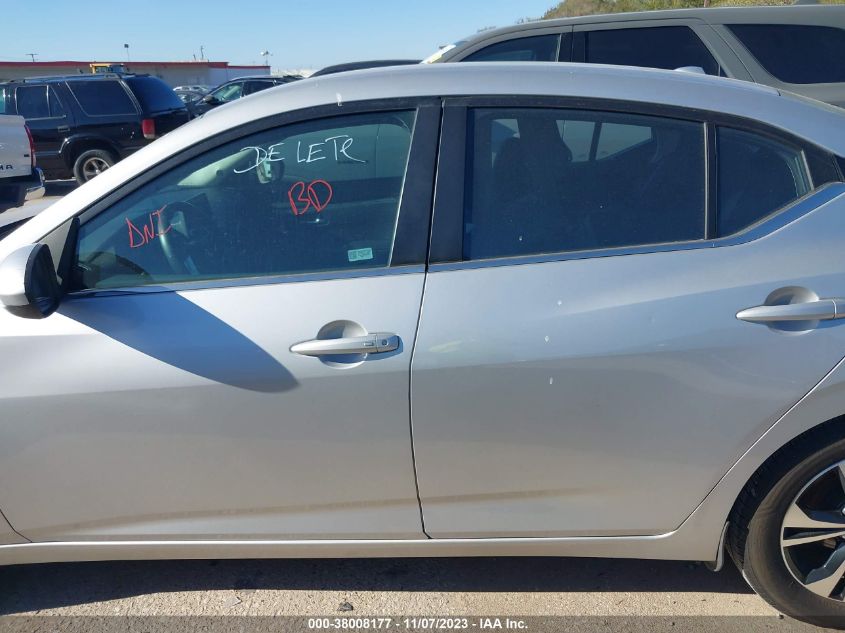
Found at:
[33, 56]
[202, 53]
[266, 54]
[126, 46]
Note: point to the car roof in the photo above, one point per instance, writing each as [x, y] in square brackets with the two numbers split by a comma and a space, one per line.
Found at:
[812, 120]
[77, 77]
[711, 15]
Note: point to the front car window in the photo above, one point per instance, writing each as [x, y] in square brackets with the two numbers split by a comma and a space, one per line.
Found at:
[626, 180]
[307, 197]
[667, 47]
[796, 53]
[540, 48]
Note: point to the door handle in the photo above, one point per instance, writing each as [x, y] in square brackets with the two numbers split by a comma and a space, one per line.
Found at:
[819, 310]
[375, 343]
[63, 128]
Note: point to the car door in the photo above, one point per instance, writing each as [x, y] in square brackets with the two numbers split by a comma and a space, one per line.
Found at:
[233, 357]
[48, 121]
[579, 367]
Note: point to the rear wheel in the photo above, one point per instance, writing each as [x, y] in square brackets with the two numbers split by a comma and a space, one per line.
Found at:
[91, 163]
[788, 533]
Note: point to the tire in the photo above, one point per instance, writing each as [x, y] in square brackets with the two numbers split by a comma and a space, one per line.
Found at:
[90, 163]
[805, 478]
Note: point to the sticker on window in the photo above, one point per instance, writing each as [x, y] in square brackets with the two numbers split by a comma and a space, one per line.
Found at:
[359, 254]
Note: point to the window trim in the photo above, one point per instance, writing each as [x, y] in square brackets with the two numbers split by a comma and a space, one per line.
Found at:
[412, 234]
[446, 251]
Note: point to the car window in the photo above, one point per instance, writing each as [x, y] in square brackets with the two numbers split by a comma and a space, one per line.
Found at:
[257, 86]
[229, 92]
[4, 101]
[540, 48]
[102, 97]
[530, 192]
[795, 53]
[756, 177]
[315, 196]
[57, 108]
[666, 47]
[153, 94]
[32, 102]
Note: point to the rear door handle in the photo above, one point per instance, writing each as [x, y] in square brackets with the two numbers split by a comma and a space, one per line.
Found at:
[375, 343]
[63, 128]
[820, 310]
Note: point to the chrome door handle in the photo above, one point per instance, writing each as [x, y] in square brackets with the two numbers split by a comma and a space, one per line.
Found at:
[375, 343]
[820, 310]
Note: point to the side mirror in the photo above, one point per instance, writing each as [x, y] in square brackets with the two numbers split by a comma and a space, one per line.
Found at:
[29, 287]
[210, 100]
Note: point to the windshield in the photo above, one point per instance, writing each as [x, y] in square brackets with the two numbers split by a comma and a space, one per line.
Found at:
[435, 57]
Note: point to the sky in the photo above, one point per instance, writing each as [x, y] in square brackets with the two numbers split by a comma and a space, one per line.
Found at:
[298, 33]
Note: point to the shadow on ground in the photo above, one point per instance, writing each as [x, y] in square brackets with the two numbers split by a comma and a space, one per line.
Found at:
[29, 588]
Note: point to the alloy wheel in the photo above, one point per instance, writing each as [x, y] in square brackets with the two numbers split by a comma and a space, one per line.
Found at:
[813, 534]
[93, 167]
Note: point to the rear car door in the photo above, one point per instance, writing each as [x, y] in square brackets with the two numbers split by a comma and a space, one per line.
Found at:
[233, 360]
[580, 368]
[107, 111]
[49, 120]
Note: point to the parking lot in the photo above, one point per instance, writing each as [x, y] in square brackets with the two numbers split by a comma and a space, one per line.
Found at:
[466, 586]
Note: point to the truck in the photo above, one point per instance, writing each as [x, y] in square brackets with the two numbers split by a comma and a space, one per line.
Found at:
[20, 179]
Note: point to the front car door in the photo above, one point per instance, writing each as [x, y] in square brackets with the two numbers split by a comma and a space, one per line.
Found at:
[580, 368]
[214, 372]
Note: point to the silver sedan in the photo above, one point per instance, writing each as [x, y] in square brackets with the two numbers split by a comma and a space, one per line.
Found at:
[482, 309]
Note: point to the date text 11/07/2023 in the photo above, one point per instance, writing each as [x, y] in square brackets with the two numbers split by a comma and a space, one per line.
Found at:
[430, 623]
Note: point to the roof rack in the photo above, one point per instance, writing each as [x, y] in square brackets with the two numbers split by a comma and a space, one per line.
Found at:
[78, 77]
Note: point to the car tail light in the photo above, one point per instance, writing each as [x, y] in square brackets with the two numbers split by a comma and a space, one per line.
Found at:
[31, 145]
[148, 127]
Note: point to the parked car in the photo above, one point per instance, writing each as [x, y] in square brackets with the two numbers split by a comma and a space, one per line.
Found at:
[795, 48]
[84, 124]
[376, 63]
[240, 87]
[192, 100]
[194, 88]
[20, 179]
[627, 346]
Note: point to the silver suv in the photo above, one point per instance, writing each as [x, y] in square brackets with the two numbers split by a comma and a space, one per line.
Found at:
[462, 309]
[796, 48]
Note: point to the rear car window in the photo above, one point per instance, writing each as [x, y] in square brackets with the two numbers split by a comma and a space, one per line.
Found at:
[666, 47]
[756, 177]
[102, 97]
[531, 192]
[5, 106]
[153, 94]
[32, 102]
[540, 48]
[795, 53]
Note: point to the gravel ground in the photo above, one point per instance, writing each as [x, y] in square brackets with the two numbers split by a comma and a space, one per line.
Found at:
[464, 586]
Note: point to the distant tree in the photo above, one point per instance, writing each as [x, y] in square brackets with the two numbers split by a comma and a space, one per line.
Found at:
[571, 8]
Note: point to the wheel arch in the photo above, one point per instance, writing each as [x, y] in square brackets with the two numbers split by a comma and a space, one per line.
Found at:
[76, 145]
[815, 419]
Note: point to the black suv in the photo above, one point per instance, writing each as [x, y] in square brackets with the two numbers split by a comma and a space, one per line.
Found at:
[84, 124]
[237, 88]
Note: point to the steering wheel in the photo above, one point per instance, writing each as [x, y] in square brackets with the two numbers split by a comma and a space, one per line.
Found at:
[177, 241]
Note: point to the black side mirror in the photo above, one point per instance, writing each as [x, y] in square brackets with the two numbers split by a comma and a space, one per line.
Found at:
[210, 100]
[29, 286]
